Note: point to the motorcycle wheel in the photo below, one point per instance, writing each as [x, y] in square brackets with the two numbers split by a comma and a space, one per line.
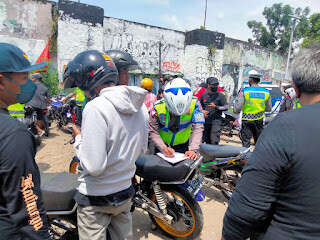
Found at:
[73, 167]
[186, 213]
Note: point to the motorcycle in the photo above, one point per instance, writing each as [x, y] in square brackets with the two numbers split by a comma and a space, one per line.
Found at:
[222, 166]
[230, 124]
[169, 193]
[30, 119]
[62, 113]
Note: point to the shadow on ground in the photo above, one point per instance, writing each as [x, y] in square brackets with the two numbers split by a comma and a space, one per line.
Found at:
[43, 166]
[214, 194]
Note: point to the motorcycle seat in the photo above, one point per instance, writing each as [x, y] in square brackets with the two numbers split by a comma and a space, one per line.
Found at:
[58, 190]
[152, 167]
[221, 151]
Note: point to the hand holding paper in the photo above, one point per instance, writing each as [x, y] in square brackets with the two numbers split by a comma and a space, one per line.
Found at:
[177, 157]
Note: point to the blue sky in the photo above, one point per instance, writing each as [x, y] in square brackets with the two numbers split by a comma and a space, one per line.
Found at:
[227, 16]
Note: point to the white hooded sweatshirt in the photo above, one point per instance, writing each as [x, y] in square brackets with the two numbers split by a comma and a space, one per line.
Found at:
[114, 133]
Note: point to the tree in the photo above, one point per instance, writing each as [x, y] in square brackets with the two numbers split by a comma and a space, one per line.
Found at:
[276, 34]
[313, 33]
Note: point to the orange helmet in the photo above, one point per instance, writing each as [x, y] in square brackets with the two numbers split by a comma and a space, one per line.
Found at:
[147, 84]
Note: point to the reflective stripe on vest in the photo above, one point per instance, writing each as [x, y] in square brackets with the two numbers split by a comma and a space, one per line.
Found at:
[185, 124]
[296, 104]
[16, 110]
[255, 99]
[80, 97]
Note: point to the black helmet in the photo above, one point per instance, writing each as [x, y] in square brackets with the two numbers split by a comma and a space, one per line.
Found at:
[90, 69]
[212, 80]
[122, 60]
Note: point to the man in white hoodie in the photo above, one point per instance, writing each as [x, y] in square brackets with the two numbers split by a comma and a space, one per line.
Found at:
[113, 135]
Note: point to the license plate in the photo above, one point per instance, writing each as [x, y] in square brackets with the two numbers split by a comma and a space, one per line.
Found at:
[195, 185]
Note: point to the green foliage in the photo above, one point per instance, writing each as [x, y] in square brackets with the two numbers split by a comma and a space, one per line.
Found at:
[211, 51]
[54, 31]
[313, 32]
[202, 27]
[50, 79]
[276, 34]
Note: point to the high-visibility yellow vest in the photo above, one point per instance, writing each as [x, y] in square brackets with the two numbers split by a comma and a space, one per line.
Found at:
[80, 97]
[16, 110]
[185, 124]
[255, 99]
[296, 104]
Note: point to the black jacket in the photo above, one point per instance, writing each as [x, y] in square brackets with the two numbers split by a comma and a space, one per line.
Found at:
[219, 100]
[22, 213]
[279, 190]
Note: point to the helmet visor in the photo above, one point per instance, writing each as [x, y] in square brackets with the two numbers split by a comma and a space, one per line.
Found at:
[175, 91]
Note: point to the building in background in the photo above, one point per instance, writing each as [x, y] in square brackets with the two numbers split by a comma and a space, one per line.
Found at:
[196, 54]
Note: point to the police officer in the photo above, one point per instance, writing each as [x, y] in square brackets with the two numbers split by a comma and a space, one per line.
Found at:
[22, 213]
[176, 122]
[17, 111]
[213, 103]
[147, 84]
[253, 101]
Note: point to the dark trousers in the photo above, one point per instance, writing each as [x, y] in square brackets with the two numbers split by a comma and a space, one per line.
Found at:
[212, 132]
[249, 129]
[78, 113]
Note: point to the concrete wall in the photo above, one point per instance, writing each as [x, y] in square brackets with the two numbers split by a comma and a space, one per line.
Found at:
[26, 24]
[197, 54]
[80, 28]
[241, 57]
[143, 42]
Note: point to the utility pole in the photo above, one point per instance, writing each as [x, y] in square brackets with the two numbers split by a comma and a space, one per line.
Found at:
[290, 44]
[160, 73]
[205, 15]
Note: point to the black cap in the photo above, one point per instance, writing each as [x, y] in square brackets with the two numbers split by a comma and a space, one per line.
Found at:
[13, 59]
[212, 80]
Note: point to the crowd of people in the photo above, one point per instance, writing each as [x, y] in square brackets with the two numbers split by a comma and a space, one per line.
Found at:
[276, 198]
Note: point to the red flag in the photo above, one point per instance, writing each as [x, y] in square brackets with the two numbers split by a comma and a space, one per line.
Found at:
[44, 57]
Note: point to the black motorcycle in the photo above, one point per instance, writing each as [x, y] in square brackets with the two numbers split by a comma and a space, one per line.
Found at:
[169, 193]
[30, 119]
[229, 127]
[222, 166]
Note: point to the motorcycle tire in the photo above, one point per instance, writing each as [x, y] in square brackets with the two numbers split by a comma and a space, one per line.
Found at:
[191, 205]
[74, 166]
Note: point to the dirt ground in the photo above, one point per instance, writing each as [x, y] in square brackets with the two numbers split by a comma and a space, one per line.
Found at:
[55, 154]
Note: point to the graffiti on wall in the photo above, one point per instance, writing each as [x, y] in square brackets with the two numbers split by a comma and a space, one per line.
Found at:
[266, 74]
[170, 66]
[25, 19]
[230, 78]
[145, 48]
[205, 68]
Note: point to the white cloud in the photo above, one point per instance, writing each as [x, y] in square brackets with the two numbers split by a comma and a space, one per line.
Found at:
[185, 24]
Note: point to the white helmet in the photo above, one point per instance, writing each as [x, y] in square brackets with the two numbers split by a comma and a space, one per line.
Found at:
[291, 92]
[178, 96]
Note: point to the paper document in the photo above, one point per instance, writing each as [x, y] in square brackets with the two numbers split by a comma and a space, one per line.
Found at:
[178, 157]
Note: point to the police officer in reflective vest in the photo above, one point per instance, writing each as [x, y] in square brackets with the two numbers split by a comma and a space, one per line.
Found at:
[17, 111]
[176, 122]
[81, 100]
[253, 101]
